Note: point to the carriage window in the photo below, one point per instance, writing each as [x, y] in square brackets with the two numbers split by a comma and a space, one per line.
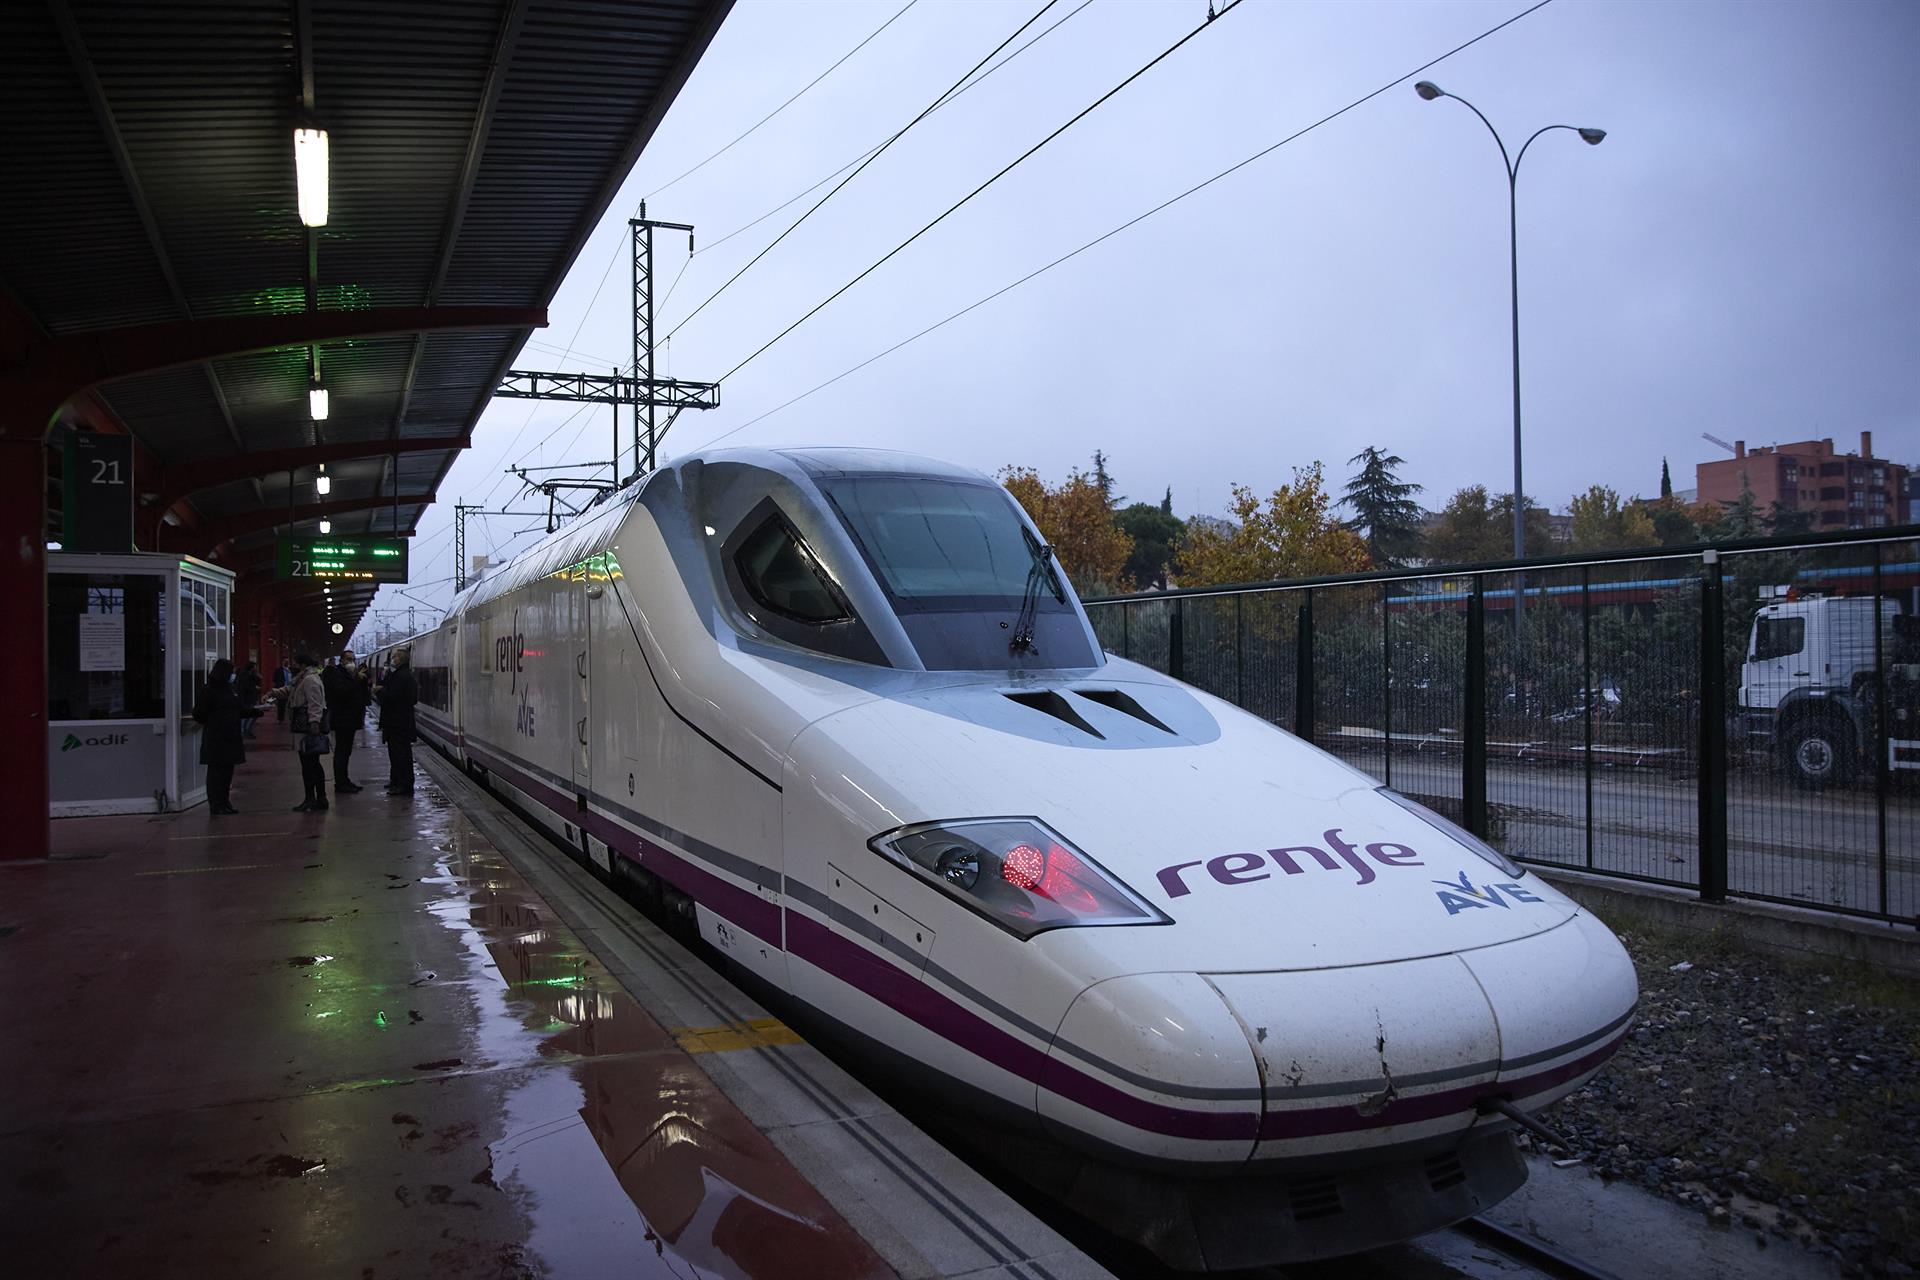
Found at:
[780, 572]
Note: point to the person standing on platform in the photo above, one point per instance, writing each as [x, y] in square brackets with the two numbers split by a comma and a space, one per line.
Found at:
[282, 687]
[221, 712]
[398, 694]
[308, 698]
[347, 702]
[247, 687]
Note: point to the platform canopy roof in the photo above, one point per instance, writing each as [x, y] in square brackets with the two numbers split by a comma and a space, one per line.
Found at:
[149, 194]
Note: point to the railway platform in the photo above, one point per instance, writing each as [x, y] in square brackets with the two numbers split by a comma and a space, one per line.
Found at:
[405, 1038]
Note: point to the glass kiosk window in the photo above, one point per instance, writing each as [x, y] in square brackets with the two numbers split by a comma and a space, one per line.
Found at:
[107, 637]
[203, 635]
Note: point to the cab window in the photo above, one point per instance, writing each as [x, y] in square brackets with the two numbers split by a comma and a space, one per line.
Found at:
[1778, 637]
[780, 573]
[780, 583]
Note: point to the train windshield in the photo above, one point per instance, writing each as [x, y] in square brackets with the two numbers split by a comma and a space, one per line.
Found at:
[946, 545]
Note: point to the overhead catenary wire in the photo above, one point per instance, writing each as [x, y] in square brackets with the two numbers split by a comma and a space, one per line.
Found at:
[615, 258]
[710, 245]
[1127, 225]
[753, 128]
[1011, 165]
[973, 77]
[875, 154]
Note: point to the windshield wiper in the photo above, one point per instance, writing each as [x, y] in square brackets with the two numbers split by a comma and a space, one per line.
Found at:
[1038, 574]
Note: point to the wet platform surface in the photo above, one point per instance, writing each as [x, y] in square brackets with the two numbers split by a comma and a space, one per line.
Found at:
[363, 1044]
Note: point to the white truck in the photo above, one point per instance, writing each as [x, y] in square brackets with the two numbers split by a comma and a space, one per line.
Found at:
[1811, 685]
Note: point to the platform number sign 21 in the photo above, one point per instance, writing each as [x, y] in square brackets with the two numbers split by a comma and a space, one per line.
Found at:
[98, 493]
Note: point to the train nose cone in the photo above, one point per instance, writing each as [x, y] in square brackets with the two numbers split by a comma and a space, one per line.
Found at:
[1154, 1064]
[1366, 1055]
[1306, 1063]
[1566, 1000]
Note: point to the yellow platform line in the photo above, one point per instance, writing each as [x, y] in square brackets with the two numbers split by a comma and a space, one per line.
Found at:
[760, 1033]
[194, 871]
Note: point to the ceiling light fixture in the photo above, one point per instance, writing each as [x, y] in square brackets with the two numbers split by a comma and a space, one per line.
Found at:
[310, 174]
[326, 526]
[323, 483]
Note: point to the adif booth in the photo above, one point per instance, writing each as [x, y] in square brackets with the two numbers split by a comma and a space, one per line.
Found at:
[130, 642]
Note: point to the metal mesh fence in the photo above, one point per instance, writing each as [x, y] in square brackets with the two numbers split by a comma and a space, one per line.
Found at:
[1349, 675]
[1426, 646]
[1743, 722]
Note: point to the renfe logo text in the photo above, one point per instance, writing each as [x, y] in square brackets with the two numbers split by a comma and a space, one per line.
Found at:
[1244, 868]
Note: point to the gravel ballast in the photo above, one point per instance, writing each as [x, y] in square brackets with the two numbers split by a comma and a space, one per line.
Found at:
[1778, 1097]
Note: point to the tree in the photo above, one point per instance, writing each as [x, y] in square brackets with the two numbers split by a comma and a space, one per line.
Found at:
[1538, 539]
[1742, 518]
[1602, 522]
[1075, 521]
[1666, 481]
[1295, 535]
[1166, 503]
[1785, 521]
[1383, 507]
[1673, 522]
[1103, 479]
[1156, 533]
[1474, 528]
[1466, 531]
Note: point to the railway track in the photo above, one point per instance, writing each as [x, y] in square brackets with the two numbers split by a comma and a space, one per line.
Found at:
[1534, 1252]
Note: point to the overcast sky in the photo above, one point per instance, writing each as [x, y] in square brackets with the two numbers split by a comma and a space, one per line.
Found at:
[1738, 257]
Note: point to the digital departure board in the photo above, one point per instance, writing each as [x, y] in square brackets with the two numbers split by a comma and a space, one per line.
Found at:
[342, 559]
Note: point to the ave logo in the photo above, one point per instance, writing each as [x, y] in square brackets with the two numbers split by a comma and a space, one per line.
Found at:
[1464, 895]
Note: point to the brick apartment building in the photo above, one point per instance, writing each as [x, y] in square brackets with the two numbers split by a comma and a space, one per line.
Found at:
[1842, 490]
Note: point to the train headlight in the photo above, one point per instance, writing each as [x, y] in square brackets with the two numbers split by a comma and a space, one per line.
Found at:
[1456, 831]
[1017, 872]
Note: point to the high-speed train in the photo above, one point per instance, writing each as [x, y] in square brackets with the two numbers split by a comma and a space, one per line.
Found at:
[1220, 991]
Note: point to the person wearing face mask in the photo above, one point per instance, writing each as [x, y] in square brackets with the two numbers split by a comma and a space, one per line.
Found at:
[309, 721]
[221, 713]
[347, 707]
[398, 695]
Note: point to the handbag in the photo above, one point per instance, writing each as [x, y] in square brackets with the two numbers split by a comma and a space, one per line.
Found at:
[303, 723]
[315, 744]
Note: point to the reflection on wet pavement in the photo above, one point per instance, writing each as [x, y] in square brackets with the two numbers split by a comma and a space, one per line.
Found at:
[631, 1153]
[371, 1051]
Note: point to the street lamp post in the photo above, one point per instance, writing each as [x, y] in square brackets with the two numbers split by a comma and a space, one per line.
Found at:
[1430, 91]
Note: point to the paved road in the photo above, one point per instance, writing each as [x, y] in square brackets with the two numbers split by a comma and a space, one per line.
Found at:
[1820, 848]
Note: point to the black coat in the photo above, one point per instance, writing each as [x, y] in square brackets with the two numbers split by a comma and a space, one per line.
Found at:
[220, 712]
[346, 697]
[398, 694]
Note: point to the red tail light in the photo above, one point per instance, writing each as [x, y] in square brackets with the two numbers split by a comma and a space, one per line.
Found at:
[1024, 867]
[1067, 882]
[1042, 882]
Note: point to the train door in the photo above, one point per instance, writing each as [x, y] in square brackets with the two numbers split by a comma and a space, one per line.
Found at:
[456, 732]
[588, 588]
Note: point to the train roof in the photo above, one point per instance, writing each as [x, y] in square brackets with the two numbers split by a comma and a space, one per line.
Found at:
[594, 532]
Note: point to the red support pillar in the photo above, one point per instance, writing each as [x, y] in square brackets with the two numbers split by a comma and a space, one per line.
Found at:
[25, 800]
